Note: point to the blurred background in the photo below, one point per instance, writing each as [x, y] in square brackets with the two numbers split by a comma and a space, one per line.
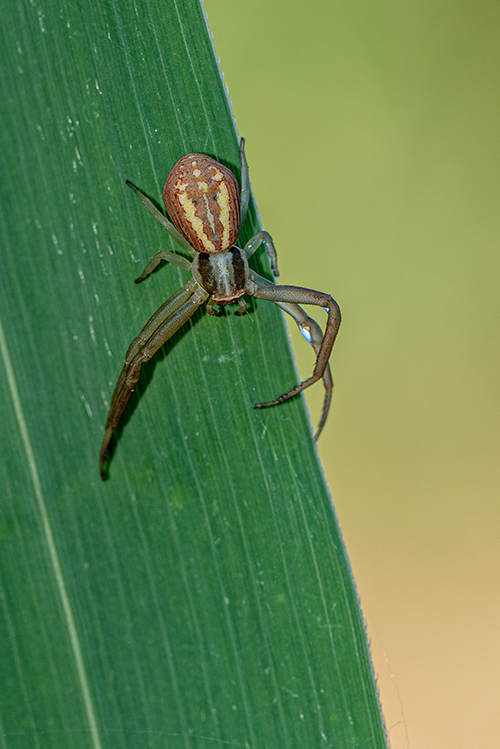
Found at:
[373, 133]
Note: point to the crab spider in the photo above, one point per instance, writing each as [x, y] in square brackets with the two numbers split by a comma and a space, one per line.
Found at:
[207, 213]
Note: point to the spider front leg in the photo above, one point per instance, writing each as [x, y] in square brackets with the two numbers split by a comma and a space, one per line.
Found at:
[313, 335]
[289, 297]
[163, 324]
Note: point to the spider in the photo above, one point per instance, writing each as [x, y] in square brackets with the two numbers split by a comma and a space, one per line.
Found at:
[207, 213]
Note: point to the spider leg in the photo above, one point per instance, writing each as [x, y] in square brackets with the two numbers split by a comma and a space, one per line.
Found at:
[163, 324]
[289, 297]
[211, 309]
[158, 317]
[263, 237]
[245, 184]
[313, 335]
[243, 307]
[163, 220]
[170, 257]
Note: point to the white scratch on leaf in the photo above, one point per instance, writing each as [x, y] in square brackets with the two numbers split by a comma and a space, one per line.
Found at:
[87, 405]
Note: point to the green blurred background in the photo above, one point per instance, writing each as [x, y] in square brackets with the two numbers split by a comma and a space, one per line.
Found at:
[373, 140]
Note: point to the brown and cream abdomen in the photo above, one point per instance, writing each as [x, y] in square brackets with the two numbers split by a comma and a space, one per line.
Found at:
[203, 200]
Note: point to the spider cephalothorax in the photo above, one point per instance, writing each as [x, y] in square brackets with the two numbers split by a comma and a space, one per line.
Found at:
[207, 210]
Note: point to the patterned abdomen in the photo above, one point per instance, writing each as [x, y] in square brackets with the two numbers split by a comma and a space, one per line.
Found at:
[203, 200]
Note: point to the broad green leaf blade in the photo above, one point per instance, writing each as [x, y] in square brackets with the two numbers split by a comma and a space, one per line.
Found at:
[202, 594]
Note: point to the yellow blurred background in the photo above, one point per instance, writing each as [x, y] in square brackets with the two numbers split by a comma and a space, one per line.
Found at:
[373, 133]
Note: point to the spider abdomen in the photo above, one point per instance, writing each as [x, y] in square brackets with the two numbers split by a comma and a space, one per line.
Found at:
[203, 200]
[223, 276]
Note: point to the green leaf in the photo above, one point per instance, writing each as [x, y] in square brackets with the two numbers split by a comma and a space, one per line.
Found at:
[202, 595]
